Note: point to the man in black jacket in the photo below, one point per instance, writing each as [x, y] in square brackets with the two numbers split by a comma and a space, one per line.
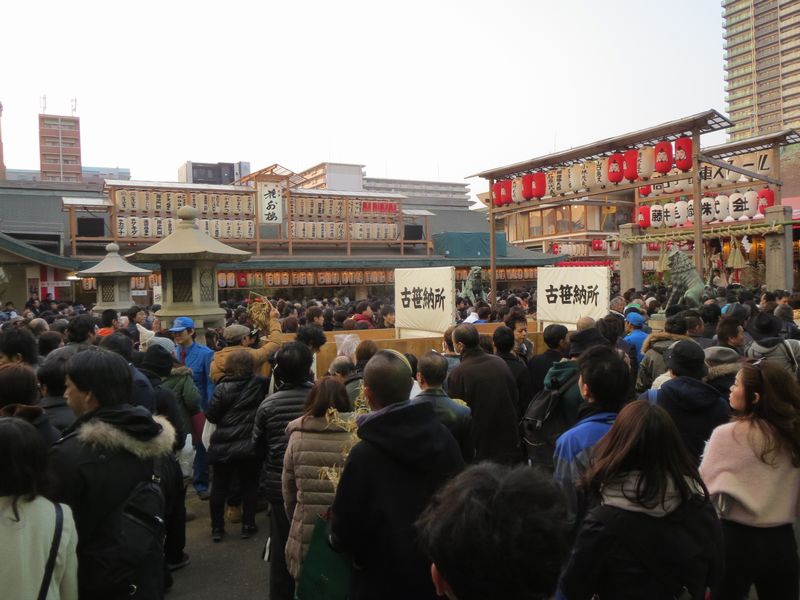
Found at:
[111, 447]
[485, 383]
[503, 339]
[555, 338]
[404, 456]
[453, 414]
[292, 363]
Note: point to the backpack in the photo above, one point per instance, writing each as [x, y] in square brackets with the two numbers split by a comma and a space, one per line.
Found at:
[128, 558]
[543, 422]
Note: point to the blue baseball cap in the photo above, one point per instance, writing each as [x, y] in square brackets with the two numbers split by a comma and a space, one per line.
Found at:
[181, 323]
[634, 318]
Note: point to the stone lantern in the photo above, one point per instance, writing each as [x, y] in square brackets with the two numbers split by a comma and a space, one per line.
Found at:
[113, 275]
[189, 259]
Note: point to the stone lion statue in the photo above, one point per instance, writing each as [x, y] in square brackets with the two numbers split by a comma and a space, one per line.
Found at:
[472, 288]
[685, 282]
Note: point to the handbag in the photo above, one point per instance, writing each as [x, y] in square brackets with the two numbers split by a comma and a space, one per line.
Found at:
[325, 574]
[51, 559]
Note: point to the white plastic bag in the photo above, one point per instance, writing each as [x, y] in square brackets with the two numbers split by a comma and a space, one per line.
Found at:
[208, 429]
[186, 457]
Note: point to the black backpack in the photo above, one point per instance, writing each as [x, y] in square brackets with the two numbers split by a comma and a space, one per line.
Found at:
[543, 422]
[128, 558]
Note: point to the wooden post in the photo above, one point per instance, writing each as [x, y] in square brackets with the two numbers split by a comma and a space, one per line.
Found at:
[73, 244]
[289, 226]
[257, 218]
[492, 250]
[699, 262]
[347, 223]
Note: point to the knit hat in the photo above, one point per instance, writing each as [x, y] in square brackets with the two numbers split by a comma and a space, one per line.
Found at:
[686, 358]
[581, 341]
[719, 355]
[158, 360]
[765, 325]
[145, 335]
[165, 343]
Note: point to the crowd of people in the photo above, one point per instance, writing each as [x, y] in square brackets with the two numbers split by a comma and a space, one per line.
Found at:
[664, 464]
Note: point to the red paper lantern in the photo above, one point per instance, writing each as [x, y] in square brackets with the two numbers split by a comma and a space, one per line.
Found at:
[643, 217]
[683, 153]
[652, 246]
[505, 192]
[555, 248]
[539, 188]
[527, 186]
[496, 200]
[630, 160]
[645, 190]
[663, 157]
[615, 167]
[766, 198]
[241, 279]
[597, 245]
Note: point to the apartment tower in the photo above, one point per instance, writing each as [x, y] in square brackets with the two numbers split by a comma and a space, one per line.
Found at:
[60, 148]
[762, 65]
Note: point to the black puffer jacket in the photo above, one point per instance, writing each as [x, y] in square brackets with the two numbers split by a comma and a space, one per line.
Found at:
[233, 410]
[269, 433]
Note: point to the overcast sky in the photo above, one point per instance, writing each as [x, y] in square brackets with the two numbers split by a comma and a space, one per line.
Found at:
[433, 90]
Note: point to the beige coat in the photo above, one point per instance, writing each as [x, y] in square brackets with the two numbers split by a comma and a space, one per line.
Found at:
[313, 444]
[260, 355]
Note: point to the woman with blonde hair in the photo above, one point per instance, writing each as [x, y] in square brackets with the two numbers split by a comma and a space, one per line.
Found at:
[318, 445]
[752, 469]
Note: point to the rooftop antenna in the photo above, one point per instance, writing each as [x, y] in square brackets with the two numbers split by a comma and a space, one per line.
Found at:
[74, 104]
[43, 103]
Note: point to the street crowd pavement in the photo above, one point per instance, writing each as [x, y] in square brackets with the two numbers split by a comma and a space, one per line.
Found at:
[233, 569]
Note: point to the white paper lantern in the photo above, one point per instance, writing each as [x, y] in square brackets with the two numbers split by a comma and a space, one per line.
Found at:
[751, 197]
[601, 171]
[159, 228]
[122, 227]
[134, 227]
[689, 212]
[669, 214]
[588, 175]
[656, 216]
[550, 178]
[707, 210]
[646, 162]
[737, 206]
[681, 212]
[250, 229]
[516, 190]
[576, 178]
[720, 207]
[227, 229]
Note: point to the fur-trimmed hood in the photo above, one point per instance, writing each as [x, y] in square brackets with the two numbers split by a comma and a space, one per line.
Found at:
[722, 370]
[181, 370]
[112, 436]
[654, 341]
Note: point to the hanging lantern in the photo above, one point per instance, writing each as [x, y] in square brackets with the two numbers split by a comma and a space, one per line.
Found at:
[615, 166]
[690, 211]
[751, 200]
[597, 245]
[551, 183]
[683, 153]
[588, 175]
[241, 279]
[496, 194]
[663, 157]
[222, 279]
[766, 198]
[516, 190]
[527, 186]
[669, 214]
[652, 246]
[737, 206]
[645, 190]
[562, 177]
[555, 248]
[720, 207]
[645, 162]
[539, 185]
[576, 177]
[505, 192]
[601, 172]
[643, 217]
[657, 216]
[630, 165]
[707, 210]
[681, 212]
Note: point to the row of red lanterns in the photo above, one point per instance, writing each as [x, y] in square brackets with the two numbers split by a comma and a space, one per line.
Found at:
[632, 165]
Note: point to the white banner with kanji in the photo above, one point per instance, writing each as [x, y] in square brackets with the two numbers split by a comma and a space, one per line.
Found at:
[565, 294]
[424, 300]
[270, 202]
